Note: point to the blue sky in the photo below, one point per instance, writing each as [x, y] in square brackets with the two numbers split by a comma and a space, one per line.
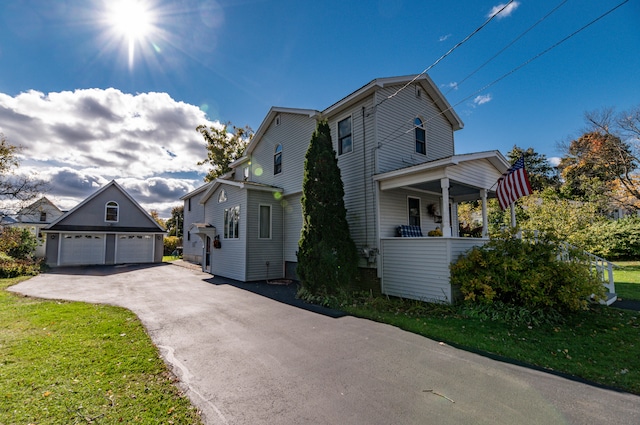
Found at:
[87, 108]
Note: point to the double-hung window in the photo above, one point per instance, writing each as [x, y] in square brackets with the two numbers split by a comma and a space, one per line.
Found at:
[345, 141]
[421, 136]
[232, 222]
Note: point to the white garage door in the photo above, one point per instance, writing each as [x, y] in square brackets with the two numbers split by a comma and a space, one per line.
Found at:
[76, 249]
[134, 249]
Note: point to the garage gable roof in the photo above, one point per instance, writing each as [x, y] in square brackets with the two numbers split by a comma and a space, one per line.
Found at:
[86, 215]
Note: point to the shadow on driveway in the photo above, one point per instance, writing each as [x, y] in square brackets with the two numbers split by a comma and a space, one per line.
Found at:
[284, 293]
[104, 270]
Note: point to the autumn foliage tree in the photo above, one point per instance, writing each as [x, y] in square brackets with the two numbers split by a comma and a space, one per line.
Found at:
[602, 164]
[327, 256]
[223, 147]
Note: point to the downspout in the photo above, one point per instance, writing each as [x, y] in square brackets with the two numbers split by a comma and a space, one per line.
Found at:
[364, 180]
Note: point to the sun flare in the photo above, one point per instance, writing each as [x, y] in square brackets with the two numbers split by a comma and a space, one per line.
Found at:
[132, 21]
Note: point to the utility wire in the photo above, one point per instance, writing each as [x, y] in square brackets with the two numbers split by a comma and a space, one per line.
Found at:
[547, 50]
[508, 45]
[477, 30]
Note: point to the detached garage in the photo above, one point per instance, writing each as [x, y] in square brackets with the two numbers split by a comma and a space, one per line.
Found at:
[109, 227]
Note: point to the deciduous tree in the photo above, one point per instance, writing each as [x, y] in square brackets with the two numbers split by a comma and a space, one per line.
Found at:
[13, 186]
[541, 173]
[223, 147]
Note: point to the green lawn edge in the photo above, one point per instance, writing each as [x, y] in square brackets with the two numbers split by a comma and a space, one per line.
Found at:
[70, 362]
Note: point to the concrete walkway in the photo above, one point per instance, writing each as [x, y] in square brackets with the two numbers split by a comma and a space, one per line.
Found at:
[247, 359]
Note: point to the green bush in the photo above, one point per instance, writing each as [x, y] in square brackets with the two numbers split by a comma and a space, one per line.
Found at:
[171, 243]
[11, 267]
[614, 239]
[531, 275]
[17, 243]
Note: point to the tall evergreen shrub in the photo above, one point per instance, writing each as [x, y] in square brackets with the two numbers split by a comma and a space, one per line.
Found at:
[327, 256]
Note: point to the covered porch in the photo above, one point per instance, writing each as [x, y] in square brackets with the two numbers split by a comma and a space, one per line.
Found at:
[426, 197]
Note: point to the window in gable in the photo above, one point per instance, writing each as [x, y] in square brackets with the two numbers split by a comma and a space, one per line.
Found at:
[277, 160]
[345, 143]
[421, 137]
[43, 216]
[111, 212]
[414, 211]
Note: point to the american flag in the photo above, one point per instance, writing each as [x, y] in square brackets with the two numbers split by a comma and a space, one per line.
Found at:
[513, 185]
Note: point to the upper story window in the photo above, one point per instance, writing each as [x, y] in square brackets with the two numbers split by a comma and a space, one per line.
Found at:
[421, 136]
[111, 212]
[43, 216]
[277, 160]
[345, 143]
[222, 196]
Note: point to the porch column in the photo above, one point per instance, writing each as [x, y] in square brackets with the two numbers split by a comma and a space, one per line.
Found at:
[485, 219]
[446, 222]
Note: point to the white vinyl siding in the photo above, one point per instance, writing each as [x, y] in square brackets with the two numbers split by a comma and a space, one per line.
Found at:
[393, 211]
[395, 130]
[264, 255]
[293, 134]
[230, 260]
[292, 227]
[418, 268]
[356, 170]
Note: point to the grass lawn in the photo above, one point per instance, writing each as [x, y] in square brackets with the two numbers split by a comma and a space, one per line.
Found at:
[601, 345]
[627, 279]
[72, 363]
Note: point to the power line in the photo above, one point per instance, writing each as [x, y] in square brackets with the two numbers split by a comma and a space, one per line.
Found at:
[477, 30]
[547, 50]
[509, 45]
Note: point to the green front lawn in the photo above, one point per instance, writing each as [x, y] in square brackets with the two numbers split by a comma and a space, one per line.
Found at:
[73, 363]
[627, 279]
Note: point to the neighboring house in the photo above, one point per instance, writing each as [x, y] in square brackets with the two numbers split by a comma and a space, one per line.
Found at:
[395, 147]
[34, 218]
[109, 227]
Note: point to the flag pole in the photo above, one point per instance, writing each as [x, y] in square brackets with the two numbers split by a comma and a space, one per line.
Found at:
[513, 215]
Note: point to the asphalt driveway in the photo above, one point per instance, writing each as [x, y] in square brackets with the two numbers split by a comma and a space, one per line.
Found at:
[244, 358]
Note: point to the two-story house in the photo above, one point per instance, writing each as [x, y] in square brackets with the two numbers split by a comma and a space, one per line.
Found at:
[34, 218]
[394, 141]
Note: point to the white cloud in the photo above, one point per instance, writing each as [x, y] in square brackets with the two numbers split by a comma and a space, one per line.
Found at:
[554, 161]
[482, 99]
[444, 37]
[80, 140]
[506, 12]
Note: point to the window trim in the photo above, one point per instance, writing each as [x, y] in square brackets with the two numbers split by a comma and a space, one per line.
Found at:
[111, 205]
[231, 228]
[419, 216]
[270, 229]
[349, 135]
[277, 160]
[419, 128]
